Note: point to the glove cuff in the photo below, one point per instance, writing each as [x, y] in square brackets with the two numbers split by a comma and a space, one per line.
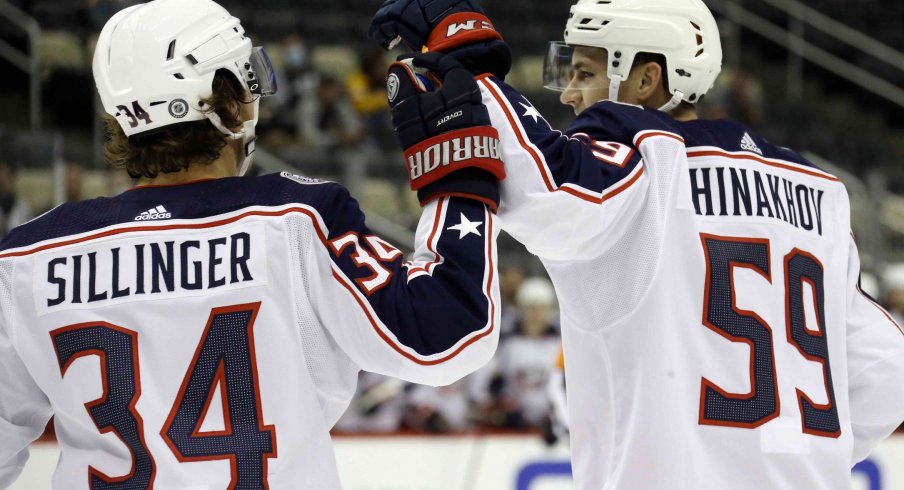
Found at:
[470, 183]
[461, 29]
[437, 157]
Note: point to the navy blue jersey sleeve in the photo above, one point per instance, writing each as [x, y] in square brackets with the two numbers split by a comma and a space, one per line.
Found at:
[594, 171]
[622, 123]
[431, 319]
[589, 160]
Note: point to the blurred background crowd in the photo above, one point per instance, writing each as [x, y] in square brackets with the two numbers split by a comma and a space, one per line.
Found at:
[792, 72]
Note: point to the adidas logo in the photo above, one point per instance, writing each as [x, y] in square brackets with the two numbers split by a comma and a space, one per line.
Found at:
[748, 144]
[159, 212]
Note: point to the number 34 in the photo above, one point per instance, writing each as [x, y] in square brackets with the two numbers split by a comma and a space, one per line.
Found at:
[224, 358]
[136, 113]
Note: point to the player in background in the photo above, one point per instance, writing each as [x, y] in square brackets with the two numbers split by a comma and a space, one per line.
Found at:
[557, 429]
[203, 330]
[715, 333]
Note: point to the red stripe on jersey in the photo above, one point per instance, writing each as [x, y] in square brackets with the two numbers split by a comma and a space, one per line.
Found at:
[612, 191]
[570, 189]
[771, 163]
[440, 210]
[417, 359]
[618, 190]
[649, 134]
[541, 167]
[218, 380]
[181, 226]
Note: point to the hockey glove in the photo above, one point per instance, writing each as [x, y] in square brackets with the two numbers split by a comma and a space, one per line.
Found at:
[450, 147]
[456, 27]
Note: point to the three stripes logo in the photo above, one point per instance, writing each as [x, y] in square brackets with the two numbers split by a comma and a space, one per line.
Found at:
[159, 212]
[748, 144]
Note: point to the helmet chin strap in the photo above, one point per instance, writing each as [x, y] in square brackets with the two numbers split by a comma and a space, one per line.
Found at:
[614, 84]
[248, 135]
[676, 100]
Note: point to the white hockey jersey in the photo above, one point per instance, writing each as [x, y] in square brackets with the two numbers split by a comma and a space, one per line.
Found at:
[714, 333]
[209, 335]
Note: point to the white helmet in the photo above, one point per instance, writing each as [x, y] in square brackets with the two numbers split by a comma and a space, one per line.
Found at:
[154, 63]
[536, 291]
[684, 31]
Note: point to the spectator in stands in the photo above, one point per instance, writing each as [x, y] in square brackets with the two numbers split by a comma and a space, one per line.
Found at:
[367, 88]
[13, 210]
[437, 409]
[515, 395]
[74, 182]
[738, 94]
[510, 279]
[377, 405]
[328, 121]
[298, 80]
[117, 182]
[558, 428]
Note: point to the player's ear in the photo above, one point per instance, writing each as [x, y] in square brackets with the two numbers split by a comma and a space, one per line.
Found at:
[649, 81]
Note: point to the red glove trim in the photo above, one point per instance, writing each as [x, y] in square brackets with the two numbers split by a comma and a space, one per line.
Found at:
[461, 29]
[434, 158]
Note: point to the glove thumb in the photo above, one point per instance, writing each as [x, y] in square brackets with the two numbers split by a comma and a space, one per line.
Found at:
[403, 82]
[436, 63]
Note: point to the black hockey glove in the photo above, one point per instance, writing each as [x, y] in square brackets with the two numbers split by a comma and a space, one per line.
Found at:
[455, 27]
[450, 147]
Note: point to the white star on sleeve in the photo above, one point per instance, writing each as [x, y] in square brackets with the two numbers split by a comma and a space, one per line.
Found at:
[466, 227]
[531, 111]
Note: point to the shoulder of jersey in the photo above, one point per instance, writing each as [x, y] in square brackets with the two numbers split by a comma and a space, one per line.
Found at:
[300, 179]
[332, 201]
[63, 220]
[733, 136]
[328, 199]
[214, 198]
[620, 122]
[286, 188]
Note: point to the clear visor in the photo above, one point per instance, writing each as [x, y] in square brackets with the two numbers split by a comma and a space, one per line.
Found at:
[561, 70]
[260, 75]
[557, 70]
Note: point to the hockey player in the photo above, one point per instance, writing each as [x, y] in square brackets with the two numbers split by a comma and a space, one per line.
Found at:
[715, 333]
[204, 330]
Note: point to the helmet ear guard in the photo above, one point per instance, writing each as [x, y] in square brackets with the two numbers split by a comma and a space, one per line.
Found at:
[683, 31]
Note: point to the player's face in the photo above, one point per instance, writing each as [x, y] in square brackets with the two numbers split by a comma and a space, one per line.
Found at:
[589, 82]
